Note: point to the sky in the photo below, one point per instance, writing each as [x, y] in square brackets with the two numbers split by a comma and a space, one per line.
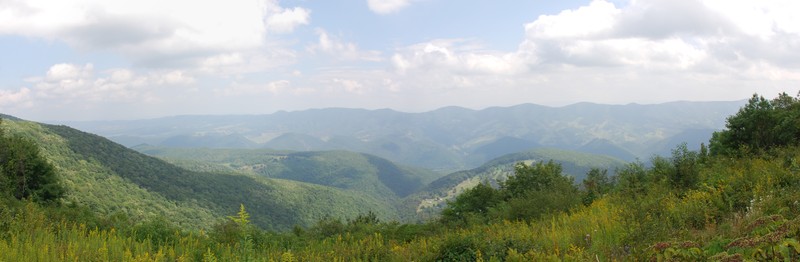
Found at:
[117, 59]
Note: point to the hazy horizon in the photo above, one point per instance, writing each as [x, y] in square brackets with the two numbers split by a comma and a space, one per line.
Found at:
[61, 121]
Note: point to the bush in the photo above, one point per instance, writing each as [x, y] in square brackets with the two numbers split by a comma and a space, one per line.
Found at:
[458, 248]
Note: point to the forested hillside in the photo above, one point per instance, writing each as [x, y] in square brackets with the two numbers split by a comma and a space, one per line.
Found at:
[113, 180]
[735, 200]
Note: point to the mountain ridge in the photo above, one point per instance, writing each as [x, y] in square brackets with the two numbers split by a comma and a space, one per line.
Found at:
[445, 139]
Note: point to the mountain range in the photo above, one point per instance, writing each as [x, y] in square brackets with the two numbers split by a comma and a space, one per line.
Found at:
[445, 140]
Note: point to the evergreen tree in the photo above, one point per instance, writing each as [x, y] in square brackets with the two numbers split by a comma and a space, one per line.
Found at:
[595, 185]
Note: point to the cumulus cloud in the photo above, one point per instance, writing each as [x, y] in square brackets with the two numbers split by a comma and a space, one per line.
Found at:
[658, 19]
[387, 6]
[285, 20]
[169, 44]
[71, 83]
[350, 85]
[666, 35]
[68, 72]
[457, 56]
[334, 46]
[646, 49]
[682, 37]
[155, 33]
[592, 21]
[18, 98]
[641, 50]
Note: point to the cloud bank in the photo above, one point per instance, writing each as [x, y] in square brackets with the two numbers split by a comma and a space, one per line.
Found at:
[252, 57]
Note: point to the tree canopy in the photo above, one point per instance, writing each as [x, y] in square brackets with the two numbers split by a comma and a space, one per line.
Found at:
[760, 125]
[534, 190]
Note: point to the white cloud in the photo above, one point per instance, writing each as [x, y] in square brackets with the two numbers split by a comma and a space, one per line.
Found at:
[242, 89]
[158, 24]
[456, 56]
[592, 21]
[641, 50]
[764, 19]
[243, 62]
[155, 33]
[676, 37]
[176, 77]
[645, 51]
[350, 85]
[285, 20]
[387, 6]
[334, 46]
[19, 98]
[67, 84]
[68, 72]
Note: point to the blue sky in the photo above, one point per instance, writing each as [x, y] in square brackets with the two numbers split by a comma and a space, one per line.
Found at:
[116, 59]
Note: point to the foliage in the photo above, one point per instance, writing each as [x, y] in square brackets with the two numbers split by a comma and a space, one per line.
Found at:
[685, 171]
[433, 198]
[473, 203]
[530, 193]
[760, 125]
[595, 185]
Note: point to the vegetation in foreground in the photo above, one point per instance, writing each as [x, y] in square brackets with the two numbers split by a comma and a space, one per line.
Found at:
[736, 201]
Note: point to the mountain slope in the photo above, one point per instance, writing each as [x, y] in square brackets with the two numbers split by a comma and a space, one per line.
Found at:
[96, 170]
